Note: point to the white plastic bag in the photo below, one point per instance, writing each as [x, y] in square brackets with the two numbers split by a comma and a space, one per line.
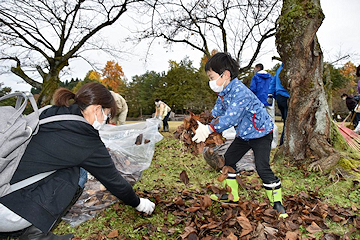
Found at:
[133, 145]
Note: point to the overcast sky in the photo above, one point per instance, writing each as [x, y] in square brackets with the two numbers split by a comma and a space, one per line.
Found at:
[339, 35]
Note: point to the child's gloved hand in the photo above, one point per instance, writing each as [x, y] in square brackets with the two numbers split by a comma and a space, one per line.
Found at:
[202, 133]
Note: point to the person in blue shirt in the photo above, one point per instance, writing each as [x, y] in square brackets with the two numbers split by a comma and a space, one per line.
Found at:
[237, 106]
[260, 83]
[277, 91]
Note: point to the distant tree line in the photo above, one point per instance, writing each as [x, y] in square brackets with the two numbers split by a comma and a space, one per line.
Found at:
[185, 88]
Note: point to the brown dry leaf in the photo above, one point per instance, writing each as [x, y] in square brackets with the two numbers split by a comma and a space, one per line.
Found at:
[245, 224]
[192, 209]
[211, 225]
[230, 196]
[113, 234]
[200, 147]
[187, 231]
[139, 138]
[271, 230]
[227, 169]
[179, 201]
[291, 236]
[222, 177]
[205, 201]
[337, 218]
[313, 228]
[231, 236]
[184, 177]
[259, 233]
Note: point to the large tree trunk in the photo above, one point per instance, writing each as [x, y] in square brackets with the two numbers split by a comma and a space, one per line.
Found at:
[51, 80]
[308, 124]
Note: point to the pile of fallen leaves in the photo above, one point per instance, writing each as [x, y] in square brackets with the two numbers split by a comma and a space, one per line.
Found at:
[250, 219]
[186, 131]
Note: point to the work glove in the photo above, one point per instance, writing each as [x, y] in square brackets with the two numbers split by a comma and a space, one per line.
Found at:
[201, 133]
[269, 100]
[145, 206]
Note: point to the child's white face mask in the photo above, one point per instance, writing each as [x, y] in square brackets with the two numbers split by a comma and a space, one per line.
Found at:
[216, 88]
[97, 125]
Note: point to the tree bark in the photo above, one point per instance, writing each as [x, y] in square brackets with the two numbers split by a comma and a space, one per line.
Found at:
[308, 124]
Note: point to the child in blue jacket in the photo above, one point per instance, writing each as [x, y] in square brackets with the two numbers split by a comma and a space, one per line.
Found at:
[237, 106]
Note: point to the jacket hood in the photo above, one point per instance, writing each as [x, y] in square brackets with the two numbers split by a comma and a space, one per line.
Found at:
[264, 75]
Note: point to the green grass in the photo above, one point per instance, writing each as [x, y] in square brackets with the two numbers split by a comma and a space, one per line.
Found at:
[162, 181]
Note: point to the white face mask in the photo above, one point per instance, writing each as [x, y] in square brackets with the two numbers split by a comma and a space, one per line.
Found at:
[216, 88]
[97, 125]
[157, 103]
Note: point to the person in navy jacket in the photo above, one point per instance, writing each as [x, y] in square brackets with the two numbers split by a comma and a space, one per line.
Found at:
[237, 106]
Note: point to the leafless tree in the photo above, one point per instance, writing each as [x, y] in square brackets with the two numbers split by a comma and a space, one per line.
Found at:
[235, 26]
[41, 36]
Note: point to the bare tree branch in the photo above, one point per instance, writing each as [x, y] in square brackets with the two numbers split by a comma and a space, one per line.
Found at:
[226, 25]
[45, 34]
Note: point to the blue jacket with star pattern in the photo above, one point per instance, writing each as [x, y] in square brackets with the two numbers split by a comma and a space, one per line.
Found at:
[238, 106]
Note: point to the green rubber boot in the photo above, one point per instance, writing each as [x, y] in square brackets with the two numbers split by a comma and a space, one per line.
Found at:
[275, 196]
[231, 182]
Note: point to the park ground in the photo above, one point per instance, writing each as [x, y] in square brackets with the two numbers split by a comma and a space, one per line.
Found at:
[324, 208]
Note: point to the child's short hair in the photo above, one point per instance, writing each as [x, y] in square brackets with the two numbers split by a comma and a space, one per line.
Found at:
[223, 61]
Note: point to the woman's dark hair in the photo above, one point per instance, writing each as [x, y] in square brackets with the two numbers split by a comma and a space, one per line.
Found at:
[156, 99]
[221, 62]
[89, 94]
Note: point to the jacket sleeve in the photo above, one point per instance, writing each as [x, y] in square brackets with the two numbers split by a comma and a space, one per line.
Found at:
[253, 84]
[218, 109]
[272, 86]
[234, 112]
[102, 167]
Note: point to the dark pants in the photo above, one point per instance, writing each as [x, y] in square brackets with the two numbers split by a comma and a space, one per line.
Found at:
[261, 148]
[356, 118]
[165, 121]
[283, 107]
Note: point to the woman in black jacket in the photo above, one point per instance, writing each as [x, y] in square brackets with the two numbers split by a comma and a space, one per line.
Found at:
[65, 146]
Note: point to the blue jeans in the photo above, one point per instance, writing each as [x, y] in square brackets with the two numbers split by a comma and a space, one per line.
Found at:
[83, 177]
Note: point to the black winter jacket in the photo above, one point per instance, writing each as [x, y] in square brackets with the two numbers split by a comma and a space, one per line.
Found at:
[63, 146]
